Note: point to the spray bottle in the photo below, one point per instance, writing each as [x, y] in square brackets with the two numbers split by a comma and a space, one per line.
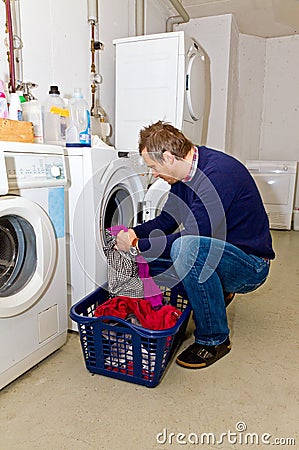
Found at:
[3, 101]
[15, 108]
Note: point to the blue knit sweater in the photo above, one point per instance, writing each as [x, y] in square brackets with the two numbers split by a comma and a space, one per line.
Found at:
[221, 201]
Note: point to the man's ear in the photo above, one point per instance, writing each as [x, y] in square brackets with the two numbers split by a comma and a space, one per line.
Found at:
[168, 157]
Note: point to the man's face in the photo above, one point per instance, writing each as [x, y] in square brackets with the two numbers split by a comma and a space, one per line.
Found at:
[162, 170]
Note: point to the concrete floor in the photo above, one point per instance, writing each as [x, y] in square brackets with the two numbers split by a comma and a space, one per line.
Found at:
[59, 405]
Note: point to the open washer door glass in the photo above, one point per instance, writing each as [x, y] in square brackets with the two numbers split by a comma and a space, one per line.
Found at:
[27, 254]
[155, 199]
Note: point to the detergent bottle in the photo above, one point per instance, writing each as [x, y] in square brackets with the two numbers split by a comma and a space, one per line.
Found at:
[54, 118]
[78, 133]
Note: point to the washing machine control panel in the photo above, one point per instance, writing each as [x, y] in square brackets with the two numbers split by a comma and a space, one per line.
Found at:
[35, 170]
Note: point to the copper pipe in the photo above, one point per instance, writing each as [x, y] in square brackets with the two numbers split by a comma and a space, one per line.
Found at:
[10, 54]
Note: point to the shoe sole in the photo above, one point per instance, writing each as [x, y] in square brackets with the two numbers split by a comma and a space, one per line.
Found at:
[202, 365]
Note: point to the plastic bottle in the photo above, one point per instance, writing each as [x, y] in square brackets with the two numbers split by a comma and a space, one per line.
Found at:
[54, 118]
[3, 102]
[72, 136]
[32, 112]
[22, 98]
[78, 134]
[15, 109]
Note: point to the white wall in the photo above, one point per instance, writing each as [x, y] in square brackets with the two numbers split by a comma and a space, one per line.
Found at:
[280, 137]
[232, 122]
[156, 14]
[116, 20]
[63, 50]
[280, 124]
[248, 111]
[56, 41]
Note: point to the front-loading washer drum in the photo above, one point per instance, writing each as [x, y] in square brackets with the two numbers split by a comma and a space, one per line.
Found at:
[27, 254]
[118, 209]
[18, 257]
[122, 197]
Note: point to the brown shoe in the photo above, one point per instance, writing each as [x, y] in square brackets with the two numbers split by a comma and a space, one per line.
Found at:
[228, 298]
[197, 356]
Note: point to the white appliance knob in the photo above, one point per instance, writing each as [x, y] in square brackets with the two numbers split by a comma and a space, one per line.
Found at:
[55, 171]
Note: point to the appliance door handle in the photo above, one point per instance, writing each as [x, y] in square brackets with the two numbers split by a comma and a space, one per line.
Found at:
[187, 82]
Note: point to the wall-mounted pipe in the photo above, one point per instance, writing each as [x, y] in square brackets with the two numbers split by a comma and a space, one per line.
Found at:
[10, 53]
[182, 18]
[18, 43]
[92, 17]
[139, 17]
[92, 11]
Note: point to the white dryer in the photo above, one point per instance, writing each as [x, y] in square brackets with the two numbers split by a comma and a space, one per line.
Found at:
[159, 77]
[33, 304]
[104, 190]
[276, 182]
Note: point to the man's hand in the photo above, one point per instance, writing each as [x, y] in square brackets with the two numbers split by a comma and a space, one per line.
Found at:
[124, 240]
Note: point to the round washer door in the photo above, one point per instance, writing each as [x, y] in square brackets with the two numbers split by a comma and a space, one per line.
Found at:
[196, 85]
[27, 254]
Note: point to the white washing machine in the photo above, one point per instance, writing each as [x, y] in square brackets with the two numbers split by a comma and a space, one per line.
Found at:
[159, 77]
[33, 302]
[104, 190]
[276, 183]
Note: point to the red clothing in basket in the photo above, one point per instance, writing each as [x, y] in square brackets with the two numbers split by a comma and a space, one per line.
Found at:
[165, 317]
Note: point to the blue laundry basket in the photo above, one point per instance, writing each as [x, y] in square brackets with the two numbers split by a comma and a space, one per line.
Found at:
[116, 348]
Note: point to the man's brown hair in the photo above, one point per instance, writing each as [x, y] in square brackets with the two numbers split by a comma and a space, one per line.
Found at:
[161, 137]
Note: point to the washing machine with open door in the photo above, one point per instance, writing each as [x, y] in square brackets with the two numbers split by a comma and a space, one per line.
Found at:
[112, 196]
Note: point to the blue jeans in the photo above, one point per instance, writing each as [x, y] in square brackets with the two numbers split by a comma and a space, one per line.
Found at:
[207, 268]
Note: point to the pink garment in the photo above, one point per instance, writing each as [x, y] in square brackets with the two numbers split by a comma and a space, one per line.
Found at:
[151, 291]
